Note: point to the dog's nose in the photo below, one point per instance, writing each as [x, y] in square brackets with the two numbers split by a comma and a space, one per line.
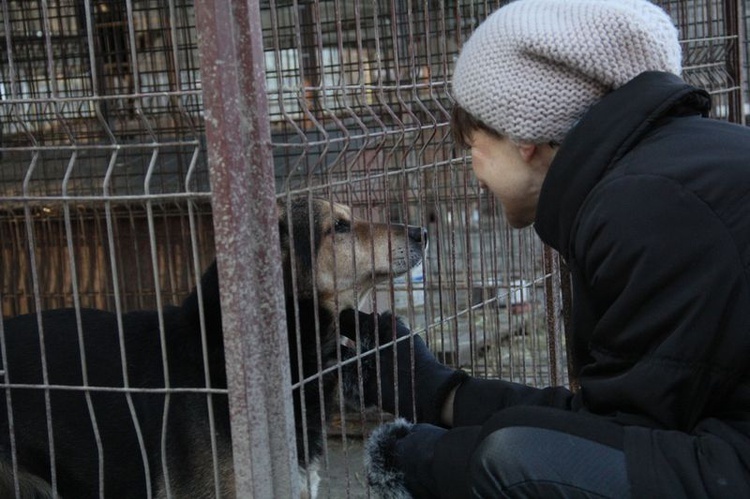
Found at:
[418, 234]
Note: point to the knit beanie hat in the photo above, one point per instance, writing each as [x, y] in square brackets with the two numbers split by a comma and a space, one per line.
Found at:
[533, 67]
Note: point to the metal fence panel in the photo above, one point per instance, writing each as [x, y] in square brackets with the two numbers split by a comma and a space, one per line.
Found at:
[107, 201]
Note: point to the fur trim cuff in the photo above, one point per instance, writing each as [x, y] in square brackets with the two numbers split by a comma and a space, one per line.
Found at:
[385, 480]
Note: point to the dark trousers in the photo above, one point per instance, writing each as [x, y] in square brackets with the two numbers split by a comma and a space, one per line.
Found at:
[528, 462]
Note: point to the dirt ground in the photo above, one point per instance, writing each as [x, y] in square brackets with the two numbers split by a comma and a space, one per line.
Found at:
[343, 476]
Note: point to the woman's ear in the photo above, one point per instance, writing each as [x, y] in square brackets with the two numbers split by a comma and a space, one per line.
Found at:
[526, 150]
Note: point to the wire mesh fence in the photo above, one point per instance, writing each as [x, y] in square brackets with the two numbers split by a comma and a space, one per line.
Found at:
[107, 199]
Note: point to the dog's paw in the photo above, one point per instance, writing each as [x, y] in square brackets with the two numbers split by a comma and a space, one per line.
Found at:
[385, 480]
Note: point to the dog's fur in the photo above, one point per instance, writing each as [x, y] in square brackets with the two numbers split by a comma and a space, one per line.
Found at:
[330, 261]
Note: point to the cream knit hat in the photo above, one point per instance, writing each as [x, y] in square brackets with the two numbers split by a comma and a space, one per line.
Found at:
[533, 67]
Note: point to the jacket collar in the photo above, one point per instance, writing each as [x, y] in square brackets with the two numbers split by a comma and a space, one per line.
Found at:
[606, 132]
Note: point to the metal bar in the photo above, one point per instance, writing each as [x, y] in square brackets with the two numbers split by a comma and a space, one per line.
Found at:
[741, 59]
[79, 326]
[31, 245]
[566, 291]
[550, 310]
[733, 26]
[248, 255]
[160, 313]
[9, 408]
[110, 222]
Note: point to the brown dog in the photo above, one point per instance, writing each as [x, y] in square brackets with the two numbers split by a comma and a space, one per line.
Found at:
[332, 260]
[129, 443]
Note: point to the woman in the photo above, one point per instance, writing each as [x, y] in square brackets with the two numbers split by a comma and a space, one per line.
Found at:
[579, 123]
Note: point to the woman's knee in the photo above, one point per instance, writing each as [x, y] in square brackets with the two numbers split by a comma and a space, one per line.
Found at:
[500, 461]
[522, 461]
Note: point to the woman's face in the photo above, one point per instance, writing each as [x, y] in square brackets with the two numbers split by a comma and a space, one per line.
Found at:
[513, 172]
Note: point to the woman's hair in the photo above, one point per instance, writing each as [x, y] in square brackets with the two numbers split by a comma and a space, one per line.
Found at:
[464, 124]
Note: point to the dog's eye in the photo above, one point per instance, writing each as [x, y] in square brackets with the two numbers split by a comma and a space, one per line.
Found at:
[342, 226]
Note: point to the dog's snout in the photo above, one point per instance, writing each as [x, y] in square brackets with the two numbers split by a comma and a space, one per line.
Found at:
[418, 234]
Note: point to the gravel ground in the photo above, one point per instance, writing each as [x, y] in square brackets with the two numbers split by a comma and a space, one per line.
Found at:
[343, 476]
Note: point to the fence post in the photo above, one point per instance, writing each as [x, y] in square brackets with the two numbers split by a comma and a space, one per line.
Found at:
[246, 231]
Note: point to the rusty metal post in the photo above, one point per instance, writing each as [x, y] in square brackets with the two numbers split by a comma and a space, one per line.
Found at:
[244, 211]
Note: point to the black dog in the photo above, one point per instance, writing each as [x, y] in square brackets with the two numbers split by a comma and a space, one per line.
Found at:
[130, 433]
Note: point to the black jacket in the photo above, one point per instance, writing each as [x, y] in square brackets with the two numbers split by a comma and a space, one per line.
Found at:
[648, 201]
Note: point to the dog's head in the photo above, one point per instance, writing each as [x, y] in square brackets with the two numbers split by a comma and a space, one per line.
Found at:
[328, 251]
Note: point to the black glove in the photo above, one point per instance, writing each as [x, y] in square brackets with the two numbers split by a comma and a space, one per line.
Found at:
[398, 459]
[433, 380]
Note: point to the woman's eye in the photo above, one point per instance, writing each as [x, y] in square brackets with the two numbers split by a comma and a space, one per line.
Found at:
[342, 226]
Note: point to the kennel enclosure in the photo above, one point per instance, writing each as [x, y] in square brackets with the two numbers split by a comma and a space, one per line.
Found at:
[139, 139]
